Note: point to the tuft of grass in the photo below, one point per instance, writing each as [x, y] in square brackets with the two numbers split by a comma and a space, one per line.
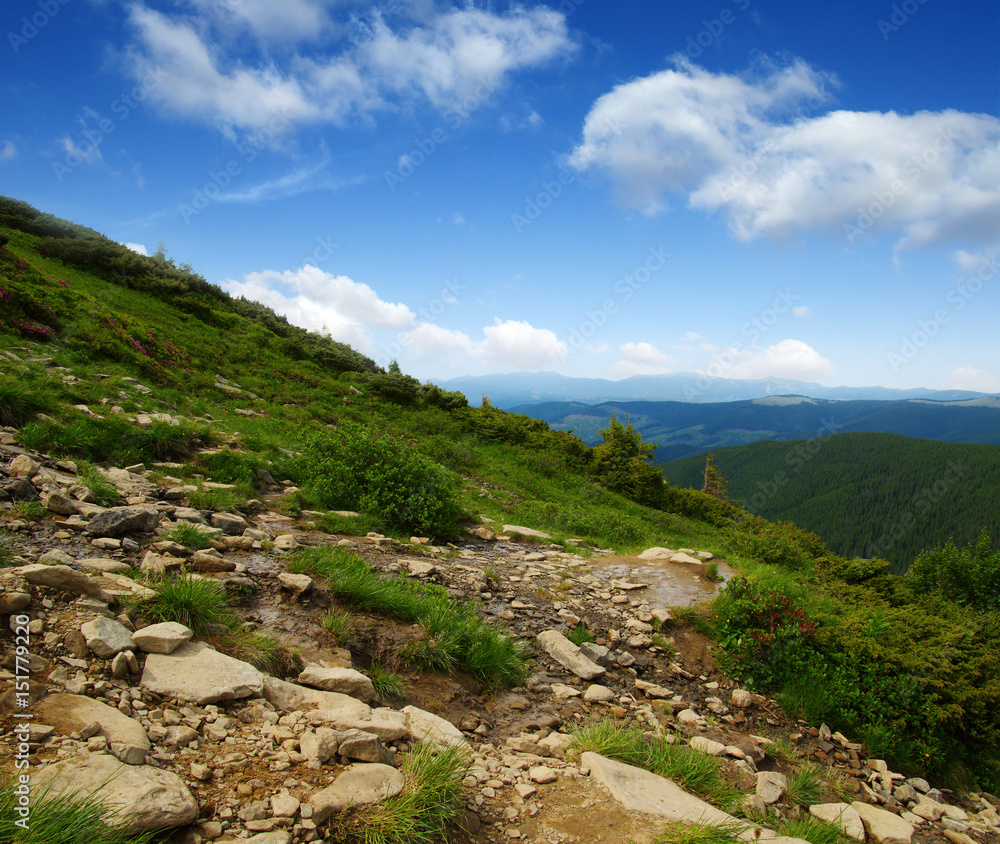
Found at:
[629, 744]
[386, 682]
[432, 798]
[491, 574]
[455, 635]
[813, 830]
[579, 635]
[21, 400]
[684, 833]
[695, 619]
[96, 481]
[263, 651]
[805, 786]
[194, 602]
[213, 499]
[668, 648]
[340, 624]
[189, 536]
[30, 511]
[65, 819]
[712, 571]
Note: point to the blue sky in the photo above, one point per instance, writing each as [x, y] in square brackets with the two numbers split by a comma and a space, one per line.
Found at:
[743, 188]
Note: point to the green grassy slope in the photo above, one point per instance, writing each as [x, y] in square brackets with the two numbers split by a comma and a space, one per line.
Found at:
[867, 495]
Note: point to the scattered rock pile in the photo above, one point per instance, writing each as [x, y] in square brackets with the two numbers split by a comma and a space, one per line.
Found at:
[178, 734]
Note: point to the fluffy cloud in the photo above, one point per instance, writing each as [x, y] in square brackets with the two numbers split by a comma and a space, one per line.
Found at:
[641, 359]
[8, 152]
[137, 247]
[321, 302]
[742, 145]
[787, 359]
[323, 74]
[519, 345]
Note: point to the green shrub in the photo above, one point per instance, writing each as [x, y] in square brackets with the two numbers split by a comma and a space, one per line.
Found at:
[773, 544]
[968, 576]
[355, 469]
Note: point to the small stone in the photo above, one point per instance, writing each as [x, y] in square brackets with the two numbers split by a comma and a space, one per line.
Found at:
[542, 774]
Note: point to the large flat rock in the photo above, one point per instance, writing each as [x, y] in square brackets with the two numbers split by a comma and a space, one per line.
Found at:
[73, 713]
[141, 797]
[426, 726]
[359, 785]
[196, 673]
[882, 826]
[568, 655]
[339, 711]
[641, 791]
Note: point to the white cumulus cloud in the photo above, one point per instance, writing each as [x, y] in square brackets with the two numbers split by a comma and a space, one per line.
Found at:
[788, 359]
[744, 145]
[319, 301]
[641, 359]
[137, 247]
[195, 67]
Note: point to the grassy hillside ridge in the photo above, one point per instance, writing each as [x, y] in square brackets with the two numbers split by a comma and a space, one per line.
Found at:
[275, 405]
[867, 494]
[680, 429]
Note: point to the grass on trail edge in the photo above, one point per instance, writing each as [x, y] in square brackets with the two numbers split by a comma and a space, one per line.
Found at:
[64, 819]
[432, 800]
[455, 635]
[631, 745]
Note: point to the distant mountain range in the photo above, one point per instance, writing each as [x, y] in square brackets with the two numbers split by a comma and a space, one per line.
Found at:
[680, 429]
[510, 390]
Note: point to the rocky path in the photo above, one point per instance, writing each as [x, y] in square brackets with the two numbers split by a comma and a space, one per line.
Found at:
[210, 748]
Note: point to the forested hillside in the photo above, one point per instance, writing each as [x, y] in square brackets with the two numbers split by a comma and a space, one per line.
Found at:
[867, 495]
[680, 429]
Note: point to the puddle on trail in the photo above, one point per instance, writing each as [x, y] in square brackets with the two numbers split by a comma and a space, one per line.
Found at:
[670, 584]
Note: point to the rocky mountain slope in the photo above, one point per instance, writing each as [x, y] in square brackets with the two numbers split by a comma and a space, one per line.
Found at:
[178, 735]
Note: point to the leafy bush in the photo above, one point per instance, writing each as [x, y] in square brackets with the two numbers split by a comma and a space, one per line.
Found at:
[355, 469]
[774, 544]
[968, 576]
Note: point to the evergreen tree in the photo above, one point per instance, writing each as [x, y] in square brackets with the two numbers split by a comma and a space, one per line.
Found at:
[622, 463]
[715, 484]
